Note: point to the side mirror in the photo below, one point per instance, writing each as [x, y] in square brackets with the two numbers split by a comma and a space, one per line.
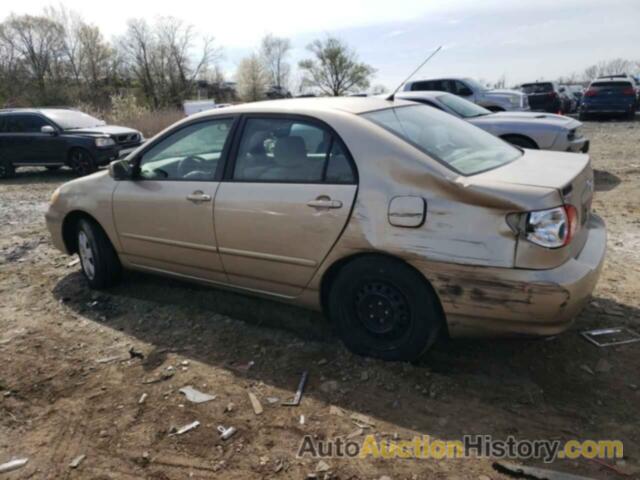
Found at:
[48, 129]
[120, 170]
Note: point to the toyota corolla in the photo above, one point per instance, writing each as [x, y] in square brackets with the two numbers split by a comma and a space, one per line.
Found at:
[399, 221]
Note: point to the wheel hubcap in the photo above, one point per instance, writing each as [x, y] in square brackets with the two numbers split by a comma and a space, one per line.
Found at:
[382, 309]
[86, 255]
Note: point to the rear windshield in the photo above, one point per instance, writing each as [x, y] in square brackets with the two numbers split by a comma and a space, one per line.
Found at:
[614, 85]
[537, 87]
[457, 144]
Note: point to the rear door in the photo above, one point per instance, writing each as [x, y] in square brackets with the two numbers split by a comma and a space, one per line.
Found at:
[286, 197]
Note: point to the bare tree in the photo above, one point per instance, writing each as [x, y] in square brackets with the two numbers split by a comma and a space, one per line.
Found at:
[38, 43]
[335, 70]
[274, 51]
[252, 79]
[162, 58]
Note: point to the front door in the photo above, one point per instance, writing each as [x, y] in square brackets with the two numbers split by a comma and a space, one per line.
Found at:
[284, 203]
[164, 217]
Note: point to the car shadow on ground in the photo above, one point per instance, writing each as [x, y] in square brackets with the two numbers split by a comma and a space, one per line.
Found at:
[532, 388]
[605, 181]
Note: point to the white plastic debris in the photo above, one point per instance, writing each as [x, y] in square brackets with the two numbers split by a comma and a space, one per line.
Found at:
[75, 463]
[186, 428]
[13, 465]
[196, 396]
[143, 397]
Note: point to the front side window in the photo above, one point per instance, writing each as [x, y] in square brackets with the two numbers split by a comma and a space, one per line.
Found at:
[457, 144]
[192, 153]
[284, 150]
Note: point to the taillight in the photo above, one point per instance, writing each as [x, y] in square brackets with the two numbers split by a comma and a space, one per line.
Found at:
[553, 228]
[592, 92]
[629, 91]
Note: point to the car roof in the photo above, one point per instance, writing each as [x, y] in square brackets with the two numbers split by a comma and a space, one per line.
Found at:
[354, 105]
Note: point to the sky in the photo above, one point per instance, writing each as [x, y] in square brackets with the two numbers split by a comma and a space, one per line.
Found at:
[484, 39]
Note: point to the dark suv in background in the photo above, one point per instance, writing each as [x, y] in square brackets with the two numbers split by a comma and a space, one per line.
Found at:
[613, 95]
[547, 97]
[54, 137]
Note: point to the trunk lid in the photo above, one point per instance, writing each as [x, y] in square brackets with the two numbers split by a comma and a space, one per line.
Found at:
[570, 174]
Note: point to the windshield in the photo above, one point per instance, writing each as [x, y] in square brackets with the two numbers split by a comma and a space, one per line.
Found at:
[455, 143]
[68, 119]
[474, 85]
[462, 107]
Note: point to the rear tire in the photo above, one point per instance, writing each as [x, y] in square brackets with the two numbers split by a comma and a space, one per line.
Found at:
[99, 260]
[385, 309]
[7, 170]
[519, 141]
[81, 162]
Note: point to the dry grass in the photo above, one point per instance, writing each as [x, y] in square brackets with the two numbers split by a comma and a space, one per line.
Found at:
[147, 121]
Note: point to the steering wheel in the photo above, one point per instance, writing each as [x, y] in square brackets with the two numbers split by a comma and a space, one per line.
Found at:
[191, 166]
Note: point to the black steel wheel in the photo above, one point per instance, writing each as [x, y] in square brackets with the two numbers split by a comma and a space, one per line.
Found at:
[384, 308]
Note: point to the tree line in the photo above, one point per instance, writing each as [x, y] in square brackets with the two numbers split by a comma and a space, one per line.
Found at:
[57, 58]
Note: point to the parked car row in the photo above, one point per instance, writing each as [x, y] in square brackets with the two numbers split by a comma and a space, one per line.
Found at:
[54, 137]
[398, 220]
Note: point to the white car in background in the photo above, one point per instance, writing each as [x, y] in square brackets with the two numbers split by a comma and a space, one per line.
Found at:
[469, 89]
[525, 129]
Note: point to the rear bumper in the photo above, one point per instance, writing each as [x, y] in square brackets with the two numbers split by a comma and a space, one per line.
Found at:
[607, 108]
[498, 301]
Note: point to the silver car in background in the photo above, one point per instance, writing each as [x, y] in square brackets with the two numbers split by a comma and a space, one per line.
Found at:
[532, 130]
[496, 100]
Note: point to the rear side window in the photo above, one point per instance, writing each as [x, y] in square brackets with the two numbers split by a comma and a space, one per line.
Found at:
[290, 151]
[530, 88]
[23, 124]
[428, 85]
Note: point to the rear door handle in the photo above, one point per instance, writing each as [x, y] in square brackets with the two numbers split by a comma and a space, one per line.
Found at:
[198, 196]
[324, 203]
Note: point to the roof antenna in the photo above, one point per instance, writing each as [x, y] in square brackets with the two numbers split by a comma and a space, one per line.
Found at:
[392, 96]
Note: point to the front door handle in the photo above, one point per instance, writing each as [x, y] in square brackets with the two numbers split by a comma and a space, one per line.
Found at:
[198, 196]
[324, 202]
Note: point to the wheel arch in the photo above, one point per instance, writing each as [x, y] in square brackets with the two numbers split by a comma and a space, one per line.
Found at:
[332, 272]
[506, 136]
[70, 224]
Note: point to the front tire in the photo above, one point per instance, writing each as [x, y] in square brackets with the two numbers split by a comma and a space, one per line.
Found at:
[385, 309]
[100, 263]
[7, 170]
[81, 162]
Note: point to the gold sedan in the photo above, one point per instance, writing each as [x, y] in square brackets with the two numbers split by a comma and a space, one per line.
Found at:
[400, 222]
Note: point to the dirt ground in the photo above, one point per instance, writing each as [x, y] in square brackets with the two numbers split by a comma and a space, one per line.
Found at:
[69, 386]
